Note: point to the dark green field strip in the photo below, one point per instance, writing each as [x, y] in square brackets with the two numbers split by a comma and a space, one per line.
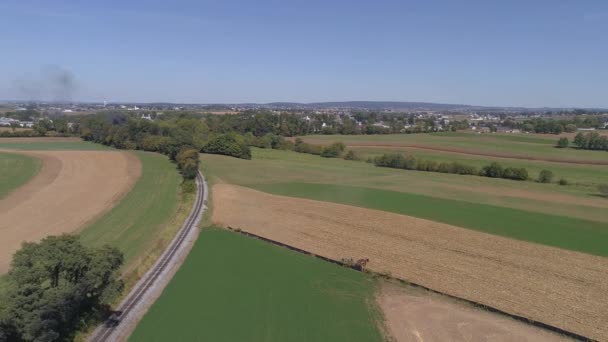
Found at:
[16, 170]
[553, 230]
[52, 146]
[135, 222]
[235, 288]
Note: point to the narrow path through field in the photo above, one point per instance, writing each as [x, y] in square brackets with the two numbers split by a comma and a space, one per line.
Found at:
[557, 287]
[71, 189]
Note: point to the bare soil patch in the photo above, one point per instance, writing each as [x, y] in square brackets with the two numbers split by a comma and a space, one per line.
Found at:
[416, 315]
[39, 139]
[557, 287]
[71, 189]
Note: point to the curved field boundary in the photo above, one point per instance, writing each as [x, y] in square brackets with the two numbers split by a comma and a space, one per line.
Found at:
[404, 281]
[17, 170]
[120, 324]
[480, 153]
[72, 189]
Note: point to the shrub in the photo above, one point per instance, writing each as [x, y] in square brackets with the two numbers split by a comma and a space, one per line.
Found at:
[393, 160]
[603, 189]
[351, 155]
[545, 176]
[332, 151]
[563, 142]
[515, 173]
[444, 167]
[493, 170]
[563, 181]
[229, 145]
[463, 169]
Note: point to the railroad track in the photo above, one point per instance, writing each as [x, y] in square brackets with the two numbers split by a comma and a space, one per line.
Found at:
[105, 331]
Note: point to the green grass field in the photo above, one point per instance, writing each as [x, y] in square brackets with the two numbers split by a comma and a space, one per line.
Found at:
[440, 197]
[235, 288]
[137, 221]
[272, 166]
[523, 145]
[16, 170]
[584, 176]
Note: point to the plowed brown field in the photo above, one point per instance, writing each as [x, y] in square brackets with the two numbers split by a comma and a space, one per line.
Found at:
[558, 287]
[416, 315]
[71, 189]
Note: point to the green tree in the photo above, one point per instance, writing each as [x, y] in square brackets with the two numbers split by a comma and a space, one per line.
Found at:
[54, 285]
[493, 170]
[603, 189]
[545, 176]
[563, 142]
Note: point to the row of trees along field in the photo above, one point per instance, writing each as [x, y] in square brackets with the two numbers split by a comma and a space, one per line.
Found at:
[55, 287]
[588, 141]
[493, 170]
[556, 126]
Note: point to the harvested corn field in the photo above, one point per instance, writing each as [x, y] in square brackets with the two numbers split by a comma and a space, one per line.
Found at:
[71, 189]
[557, 287]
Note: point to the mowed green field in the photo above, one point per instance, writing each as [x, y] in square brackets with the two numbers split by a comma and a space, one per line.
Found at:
[139, 219]
[522, 210]
[519, 145]
[235, 288]
[16, 170]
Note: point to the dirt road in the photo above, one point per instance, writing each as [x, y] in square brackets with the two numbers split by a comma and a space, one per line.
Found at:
[71, 189]
[557, 287]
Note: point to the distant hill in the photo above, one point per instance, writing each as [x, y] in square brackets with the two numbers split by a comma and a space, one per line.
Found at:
[410, 106]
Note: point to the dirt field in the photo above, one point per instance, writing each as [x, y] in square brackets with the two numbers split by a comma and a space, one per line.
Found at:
[558, 287]
[71, 189]
[39, 139]
[399, 146]
[417, 315]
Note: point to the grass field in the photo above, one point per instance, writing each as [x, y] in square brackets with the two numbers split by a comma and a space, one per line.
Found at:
[16, 170]
[545, 213]
[138, 220]
[234, 288]
[519, 145]
[582, 176]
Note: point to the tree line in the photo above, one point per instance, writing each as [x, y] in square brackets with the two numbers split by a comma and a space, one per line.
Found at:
[588, 141]
[493, 170]
[556, 126]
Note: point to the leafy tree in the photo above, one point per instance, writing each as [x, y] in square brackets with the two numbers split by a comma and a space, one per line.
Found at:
[563, 142]
[334, 150]
[545, 176]
[54, 285]
[493, 170]
[351, 155]
[603, 189]
[228, 144]
[570, 128]
[187, 162]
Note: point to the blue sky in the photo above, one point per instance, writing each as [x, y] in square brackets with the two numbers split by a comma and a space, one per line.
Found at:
[515, 53]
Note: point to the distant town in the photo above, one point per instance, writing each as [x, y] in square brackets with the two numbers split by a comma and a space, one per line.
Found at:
[367, 117]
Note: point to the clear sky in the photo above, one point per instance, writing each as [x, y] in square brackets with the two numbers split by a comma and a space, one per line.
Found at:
[486, 52]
